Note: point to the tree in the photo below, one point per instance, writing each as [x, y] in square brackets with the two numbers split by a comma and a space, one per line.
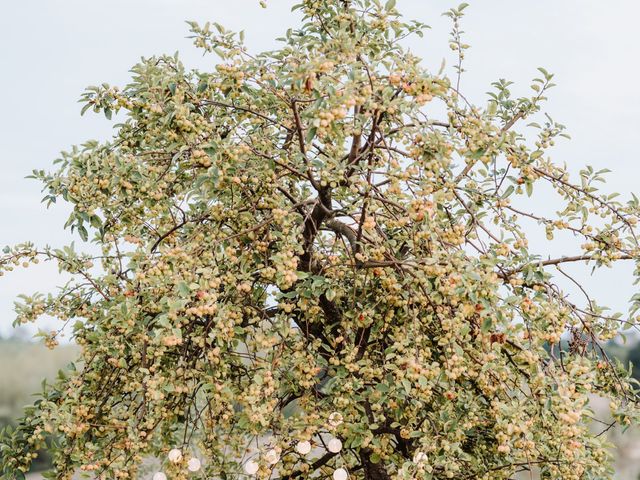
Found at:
[314, 263]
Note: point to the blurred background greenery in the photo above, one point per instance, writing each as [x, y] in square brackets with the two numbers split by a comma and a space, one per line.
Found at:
[24, 365]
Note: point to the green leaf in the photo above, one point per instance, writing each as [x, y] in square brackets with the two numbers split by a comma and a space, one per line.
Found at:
[407, 385]
[508, 191]
[487, 324]
[311, 134]
[183, 289]
[84, 235]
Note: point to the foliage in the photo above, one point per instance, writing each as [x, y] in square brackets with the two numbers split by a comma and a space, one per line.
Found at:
[326, 243]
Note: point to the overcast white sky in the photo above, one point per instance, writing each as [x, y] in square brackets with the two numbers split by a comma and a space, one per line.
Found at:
[51, 49]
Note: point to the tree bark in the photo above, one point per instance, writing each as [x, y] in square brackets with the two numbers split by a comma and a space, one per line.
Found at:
[372, 471]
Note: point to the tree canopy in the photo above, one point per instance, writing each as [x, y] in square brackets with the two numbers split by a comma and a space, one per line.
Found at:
[314, 262]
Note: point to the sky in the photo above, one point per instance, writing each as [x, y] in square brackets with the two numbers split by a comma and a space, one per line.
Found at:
[50, 50]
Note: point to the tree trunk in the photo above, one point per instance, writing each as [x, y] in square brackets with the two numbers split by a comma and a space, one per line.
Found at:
[372, 471]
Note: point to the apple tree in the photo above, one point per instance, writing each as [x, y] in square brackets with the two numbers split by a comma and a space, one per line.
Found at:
[314, 262]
